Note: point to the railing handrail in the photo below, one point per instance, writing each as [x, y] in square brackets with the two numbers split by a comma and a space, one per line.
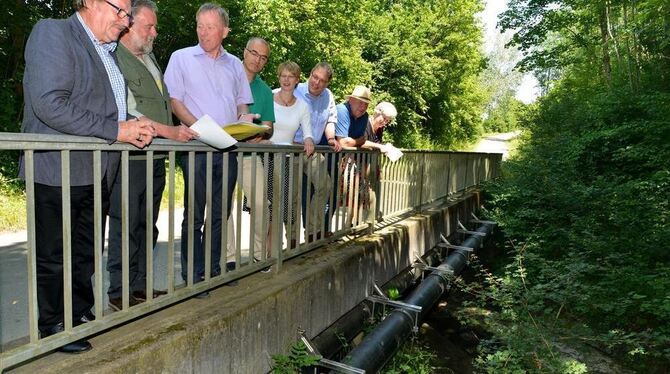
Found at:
[421, 177]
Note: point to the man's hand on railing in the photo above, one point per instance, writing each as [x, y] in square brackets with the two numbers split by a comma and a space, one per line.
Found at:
[139, 132]
[181, 133]
[334, 144]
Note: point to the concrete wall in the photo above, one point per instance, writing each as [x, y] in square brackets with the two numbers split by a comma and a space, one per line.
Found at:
[237, 328]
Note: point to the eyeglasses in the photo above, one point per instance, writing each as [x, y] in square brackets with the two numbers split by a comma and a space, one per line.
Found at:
[386, 120]
[257, 55]
[121, 13]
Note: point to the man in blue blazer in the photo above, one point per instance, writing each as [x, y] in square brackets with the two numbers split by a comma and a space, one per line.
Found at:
[72, 86]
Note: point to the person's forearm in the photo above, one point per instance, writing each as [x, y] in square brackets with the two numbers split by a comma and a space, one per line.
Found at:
[181, 111]
[369, 144]
[330, 130]
[242, 109]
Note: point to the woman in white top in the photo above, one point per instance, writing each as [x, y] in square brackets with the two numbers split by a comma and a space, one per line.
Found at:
[291, 113]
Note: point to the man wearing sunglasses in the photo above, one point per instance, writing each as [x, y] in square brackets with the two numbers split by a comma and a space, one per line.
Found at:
[73, 86]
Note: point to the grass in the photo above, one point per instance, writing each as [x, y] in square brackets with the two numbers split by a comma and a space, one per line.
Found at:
[178, 187]
[13, 213]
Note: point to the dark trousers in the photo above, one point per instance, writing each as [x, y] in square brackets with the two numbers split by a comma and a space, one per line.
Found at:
[137, 236]
[49, 250]
[199, 193]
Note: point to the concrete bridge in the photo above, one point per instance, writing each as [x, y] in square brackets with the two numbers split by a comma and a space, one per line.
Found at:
[310, 285]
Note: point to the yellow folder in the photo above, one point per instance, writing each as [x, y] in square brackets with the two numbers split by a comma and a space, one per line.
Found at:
[244, 130]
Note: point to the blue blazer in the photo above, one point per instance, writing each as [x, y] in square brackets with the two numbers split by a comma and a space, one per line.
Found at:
[67, 91]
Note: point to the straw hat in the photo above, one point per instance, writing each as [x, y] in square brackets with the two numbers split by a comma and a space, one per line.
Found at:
[361, 93]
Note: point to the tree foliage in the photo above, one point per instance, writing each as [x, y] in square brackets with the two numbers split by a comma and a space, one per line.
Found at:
[589, 193]
[423, 56]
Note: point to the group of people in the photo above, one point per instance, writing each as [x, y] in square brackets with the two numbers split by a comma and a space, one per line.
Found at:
[94, 74]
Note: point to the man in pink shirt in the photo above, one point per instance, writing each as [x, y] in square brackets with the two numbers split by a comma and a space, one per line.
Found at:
[205, 79]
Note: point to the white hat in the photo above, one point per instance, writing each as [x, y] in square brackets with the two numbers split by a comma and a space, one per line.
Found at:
[361, 93]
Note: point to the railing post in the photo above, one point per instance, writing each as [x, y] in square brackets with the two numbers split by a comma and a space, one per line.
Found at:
[277, 207]
[67, 240]
[422, 173]
[32, 249]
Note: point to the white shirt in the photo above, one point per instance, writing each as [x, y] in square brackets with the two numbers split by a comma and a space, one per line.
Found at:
[287, 121]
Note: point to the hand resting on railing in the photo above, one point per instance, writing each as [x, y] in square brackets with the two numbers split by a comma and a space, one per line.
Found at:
[139, 132]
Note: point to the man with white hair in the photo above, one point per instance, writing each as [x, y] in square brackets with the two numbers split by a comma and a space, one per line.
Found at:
[205, 79]
[147, 96]
[72, 86]
[384, 114]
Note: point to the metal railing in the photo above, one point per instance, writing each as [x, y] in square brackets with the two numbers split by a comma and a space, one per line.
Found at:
[362, 187]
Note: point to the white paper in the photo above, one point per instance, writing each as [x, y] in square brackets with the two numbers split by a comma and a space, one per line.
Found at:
[212, 134]
[392, 152]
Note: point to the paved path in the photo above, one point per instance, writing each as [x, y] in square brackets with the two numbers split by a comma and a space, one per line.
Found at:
[497, 143]
[14, 281]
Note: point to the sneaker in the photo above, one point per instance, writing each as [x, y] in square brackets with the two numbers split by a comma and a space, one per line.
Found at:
[117, 303]
[267, 270]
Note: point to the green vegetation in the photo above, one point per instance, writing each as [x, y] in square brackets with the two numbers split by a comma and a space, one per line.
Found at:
[587, 197]
[296, 360]
[423, 56]
[411, 358]
[13, 202]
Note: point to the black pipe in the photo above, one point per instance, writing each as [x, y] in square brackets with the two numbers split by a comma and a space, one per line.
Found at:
[336, 337]
[380, 344]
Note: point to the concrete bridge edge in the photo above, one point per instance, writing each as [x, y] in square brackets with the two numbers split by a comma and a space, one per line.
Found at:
[237, 328]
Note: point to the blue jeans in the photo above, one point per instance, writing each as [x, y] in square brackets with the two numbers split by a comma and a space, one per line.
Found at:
[197, 231]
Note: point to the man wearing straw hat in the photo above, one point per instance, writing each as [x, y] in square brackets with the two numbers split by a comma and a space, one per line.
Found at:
[352, 118]
[352, 121]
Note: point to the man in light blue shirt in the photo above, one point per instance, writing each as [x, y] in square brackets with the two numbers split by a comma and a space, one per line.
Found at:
[323, 114]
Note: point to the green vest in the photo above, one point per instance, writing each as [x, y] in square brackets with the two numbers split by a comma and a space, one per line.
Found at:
[150, 101]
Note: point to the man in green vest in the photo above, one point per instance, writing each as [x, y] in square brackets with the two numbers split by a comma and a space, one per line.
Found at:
[147, 97]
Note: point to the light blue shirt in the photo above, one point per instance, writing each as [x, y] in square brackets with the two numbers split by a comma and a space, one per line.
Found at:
[105, 51]
[322, 111]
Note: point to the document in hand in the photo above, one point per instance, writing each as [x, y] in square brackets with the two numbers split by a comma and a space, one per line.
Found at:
[211, 133]
[392, 152]
[243, 130]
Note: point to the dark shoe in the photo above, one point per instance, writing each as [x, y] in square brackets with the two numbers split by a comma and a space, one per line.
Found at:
[141, 295]
[80, 346]
[85, 318]
[75, 347]
[230, 266]
[117, 304]
[311, 238]
[202, 295]
[266, 270]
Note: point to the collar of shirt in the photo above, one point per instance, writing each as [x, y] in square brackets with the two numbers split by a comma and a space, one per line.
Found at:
[305, 88]
[223, 55]
[109, 47]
